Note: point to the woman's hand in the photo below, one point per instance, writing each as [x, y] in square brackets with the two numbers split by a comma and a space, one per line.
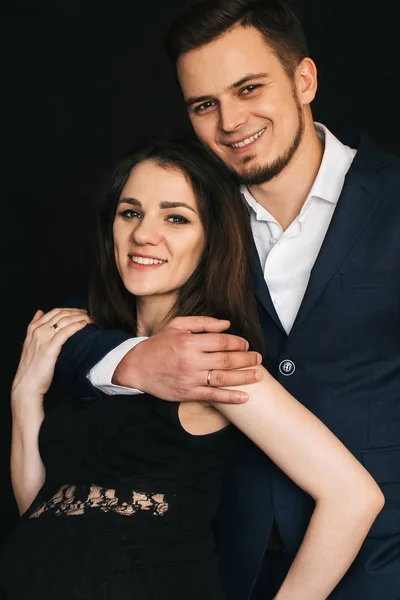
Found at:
[45, 336]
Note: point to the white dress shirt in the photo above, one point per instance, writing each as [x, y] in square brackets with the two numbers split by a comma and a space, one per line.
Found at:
[286, 257]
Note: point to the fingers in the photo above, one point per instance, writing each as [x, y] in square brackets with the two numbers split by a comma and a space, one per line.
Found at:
[218, 379]
[233, 378]
[66, 332]
[211, 394]
[38, 315]
[229, 360]
[58, 313]
[64, 319]
[38, 358]
[44, 329]
[52, 316]
[199, 324]
[217, 342]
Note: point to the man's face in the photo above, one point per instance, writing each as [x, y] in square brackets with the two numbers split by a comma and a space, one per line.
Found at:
[242, 104]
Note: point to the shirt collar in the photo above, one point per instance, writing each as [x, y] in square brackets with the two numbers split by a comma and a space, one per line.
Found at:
[336, 161]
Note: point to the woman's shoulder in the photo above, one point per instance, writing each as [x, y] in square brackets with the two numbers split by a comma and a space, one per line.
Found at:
[200, 418]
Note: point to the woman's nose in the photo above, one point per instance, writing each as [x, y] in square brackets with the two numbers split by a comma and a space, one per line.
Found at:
[147, 231]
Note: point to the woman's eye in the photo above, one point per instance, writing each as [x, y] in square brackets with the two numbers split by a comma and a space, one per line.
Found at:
[129, 214]
[177, 220]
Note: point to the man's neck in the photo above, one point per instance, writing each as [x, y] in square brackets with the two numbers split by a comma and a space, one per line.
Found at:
[284, 196]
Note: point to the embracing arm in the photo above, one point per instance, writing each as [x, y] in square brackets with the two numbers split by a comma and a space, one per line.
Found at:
[180, 359]
[81, 353]
[347, 498]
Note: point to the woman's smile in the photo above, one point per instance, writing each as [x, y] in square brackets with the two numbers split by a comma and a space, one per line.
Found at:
[140, 262]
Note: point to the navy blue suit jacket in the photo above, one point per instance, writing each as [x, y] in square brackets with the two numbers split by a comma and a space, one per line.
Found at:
[345, 347]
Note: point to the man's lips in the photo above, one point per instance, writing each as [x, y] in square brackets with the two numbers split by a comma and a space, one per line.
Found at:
[243, 144]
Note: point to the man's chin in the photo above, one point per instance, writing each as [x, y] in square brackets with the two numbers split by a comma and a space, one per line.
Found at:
[244, 166]
[256, 174]
[250, 170]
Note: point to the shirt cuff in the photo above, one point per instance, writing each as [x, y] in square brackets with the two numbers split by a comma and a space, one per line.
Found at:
[100, 375]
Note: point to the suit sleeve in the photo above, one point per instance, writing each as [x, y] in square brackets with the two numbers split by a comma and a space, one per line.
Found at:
[82, 352]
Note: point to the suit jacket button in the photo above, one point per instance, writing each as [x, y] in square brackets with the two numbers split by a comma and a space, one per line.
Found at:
[87, 398]
[287, 367]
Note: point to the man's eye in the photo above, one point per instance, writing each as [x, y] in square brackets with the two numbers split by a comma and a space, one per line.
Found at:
[202, 107]
[249, 88]
[129, 214]
[177, 220]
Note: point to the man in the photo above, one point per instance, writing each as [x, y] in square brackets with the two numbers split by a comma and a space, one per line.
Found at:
[326, 275]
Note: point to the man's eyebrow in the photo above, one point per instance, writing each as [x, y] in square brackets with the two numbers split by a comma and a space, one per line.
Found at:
[135, 202]
[249, 77]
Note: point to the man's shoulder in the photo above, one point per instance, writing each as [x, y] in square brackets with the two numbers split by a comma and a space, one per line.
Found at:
[78, 300]
[370, 157]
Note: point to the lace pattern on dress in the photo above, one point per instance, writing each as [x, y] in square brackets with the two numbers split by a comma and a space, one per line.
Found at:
[63, 502]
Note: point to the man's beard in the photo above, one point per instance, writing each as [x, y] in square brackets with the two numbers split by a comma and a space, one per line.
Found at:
[260, 174]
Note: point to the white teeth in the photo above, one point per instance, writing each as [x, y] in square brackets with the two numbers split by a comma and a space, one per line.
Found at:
[147, 261]
[248, 141]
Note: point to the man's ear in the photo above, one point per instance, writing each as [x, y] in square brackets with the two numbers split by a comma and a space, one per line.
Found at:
[306, 81]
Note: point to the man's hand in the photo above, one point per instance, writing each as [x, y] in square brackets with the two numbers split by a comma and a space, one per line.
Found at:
[173, 364]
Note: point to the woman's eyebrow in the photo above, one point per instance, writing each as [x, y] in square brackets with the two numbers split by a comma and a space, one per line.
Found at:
[132, 201]
[176, 205]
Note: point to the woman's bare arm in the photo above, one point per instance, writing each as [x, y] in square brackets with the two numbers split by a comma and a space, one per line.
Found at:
[32, 380]
[347, 498]
[27, 469]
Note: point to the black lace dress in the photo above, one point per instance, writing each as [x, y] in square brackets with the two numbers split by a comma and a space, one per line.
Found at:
[126, 509]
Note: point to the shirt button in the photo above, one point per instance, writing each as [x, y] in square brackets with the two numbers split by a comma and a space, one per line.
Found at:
[287, 367]
[273, 241]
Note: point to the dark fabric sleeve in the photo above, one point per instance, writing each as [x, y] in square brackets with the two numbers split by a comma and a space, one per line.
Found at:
[82, 352]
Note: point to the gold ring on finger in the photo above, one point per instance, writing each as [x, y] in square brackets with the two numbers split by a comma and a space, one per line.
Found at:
[56, 328]
[209, 378]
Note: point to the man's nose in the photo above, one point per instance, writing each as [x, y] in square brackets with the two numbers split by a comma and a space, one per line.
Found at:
[232, 116]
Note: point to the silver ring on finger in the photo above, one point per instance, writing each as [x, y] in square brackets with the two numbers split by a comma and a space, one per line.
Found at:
[56, 328]
[209, 379]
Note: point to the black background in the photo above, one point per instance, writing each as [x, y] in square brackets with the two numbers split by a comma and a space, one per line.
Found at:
[79, 89]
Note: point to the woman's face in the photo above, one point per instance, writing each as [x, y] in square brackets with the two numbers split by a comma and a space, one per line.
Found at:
[158, 234]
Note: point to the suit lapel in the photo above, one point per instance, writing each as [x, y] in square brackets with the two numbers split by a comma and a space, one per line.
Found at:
[260, 288]
[360, 195]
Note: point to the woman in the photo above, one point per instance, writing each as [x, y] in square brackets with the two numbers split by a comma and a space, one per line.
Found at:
[117, 497]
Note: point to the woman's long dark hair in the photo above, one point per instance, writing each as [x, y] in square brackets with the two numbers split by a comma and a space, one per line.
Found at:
[220, 285]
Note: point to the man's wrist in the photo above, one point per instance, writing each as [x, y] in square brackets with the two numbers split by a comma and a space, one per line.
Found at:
[120, 373]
